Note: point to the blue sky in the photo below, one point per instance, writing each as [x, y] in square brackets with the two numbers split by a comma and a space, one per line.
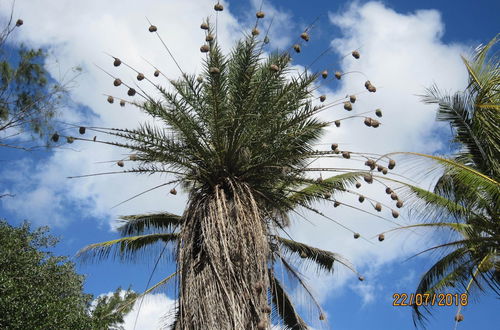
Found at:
[405, 46]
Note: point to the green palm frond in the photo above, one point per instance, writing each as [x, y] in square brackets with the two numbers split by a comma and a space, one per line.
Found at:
[152, 222]
[126, 247]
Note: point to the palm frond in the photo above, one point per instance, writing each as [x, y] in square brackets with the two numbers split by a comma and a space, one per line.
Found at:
[152, 222]
[284, 306]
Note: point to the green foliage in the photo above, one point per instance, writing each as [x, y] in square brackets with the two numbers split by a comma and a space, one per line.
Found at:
[41, 291]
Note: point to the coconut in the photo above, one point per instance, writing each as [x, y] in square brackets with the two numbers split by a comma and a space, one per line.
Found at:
[140, 76]
[131, 92]
[388, 190]
[322, 317]
[218, 7]
[213, 70]
[378, 207]
[82, 130]
[384, 171]
[334, 146]
[375, 123]
[324, 74]
[361, 199]
[262, 325]
[255, 32]
[304, 36]
[19, 22]
[392, 164]
[336, 204]
[156, 73]
[368, 121]
[111, 99]
[399, 204]
[352, 98]
[117, 62]
[204, 26]
[122, 103]
[117, 82]
[368, 178]
[173, 191]
[153, 28]
[338, 75]
[274, 67]
[355, 54]
[120, 163]
[322, 98]
[348, 106]
[337, 123]
[346, 154]
[394, 196]
[381, 237]
[260, 14]
[209, 37]
[55, 137]
[380, 168]
[266, 309]
[378, 113]
[70, 139]
[356, 235]
[361, 278]
[459, 317]
[296, 47]
[204, 49]
[395, 214]
[358, 185]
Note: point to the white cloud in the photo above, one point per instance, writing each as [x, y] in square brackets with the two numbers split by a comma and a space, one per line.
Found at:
[155, 313]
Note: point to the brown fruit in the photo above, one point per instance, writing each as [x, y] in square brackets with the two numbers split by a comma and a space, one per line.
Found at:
[381, 237]
[334, 146]
[199, 79]
[131, 92]
[133, 157]
[274, 67]
[368, 178]
[346, 154]
[303, 255]
[19, 22]
[209, 37]
[266, 40]
[117, 82]
[111, 99]
[355, 54]
[204, 49]
[55, 137]
[327, 195]
[368, 121]
[260, 14]
[218, 7]
[370, 163]
[392, 164]
[213, 70]
[255, 32]
[380, 168]
[337, 123]
[352, 98]
[304, 36]
[117, 62]
[388, 190]
[459, 317]
[173, 191]
[82, 130]
[324, 74]
[338, 75]
[204, 26]
[399, 204]
[70, 139]
[361, 278]
[120, 163]
[394, 196]
[384, 170]
[361, 199]
[395, 214]
[140, 76]
[322, 98]
[356, 235]
[368, 84]
[322, 317]
[122, 103]
[372, 89]
[375, 123]
[378, 113]
[153, 28]
[156, 73]
[348, 106]
[358, 185]
[378, 207]
[336, 204]
[296, 47]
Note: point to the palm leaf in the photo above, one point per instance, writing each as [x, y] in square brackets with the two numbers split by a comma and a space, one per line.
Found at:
[141, 223]
[284, 305]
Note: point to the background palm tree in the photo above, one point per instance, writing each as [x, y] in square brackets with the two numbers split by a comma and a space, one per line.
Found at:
[466, 197]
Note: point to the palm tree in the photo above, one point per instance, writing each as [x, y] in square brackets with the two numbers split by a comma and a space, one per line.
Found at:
[239, 140]
[468, 192]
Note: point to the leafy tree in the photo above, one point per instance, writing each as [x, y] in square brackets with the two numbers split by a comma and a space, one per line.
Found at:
[466, 198]
[41, 291]
[239, 140]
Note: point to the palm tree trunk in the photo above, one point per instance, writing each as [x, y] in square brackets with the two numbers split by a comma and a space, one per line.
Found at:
[222, 260]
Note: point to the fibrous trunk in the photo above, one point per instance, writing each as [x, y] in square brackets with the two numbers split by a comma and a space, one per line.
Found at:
[222, 262]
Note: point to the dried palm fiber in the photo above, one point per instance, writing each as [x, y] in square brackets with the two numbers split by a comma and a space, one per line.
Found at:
[262, 325]
[355, 54]
[117, 82]
[296, 47]
[267, 309]
[255, 32]
[216, 293]
[153, 28]
[352, 98]
[260, 14]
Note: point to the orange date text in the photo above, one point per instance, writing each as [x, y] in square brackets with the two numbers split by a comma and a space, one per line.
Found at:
[430, 299]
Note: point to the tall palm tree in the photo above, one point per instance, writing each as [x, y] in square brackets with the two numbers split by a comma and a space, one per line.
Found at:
[466, 197]
[239, 140]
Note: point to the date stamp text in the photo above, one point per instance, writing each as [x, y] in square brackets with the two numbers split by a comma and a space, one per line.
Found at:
[428, 299]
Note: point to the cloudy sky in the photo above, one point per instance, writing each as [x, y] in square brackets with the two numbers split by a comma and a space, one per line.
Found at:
[405, 47]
